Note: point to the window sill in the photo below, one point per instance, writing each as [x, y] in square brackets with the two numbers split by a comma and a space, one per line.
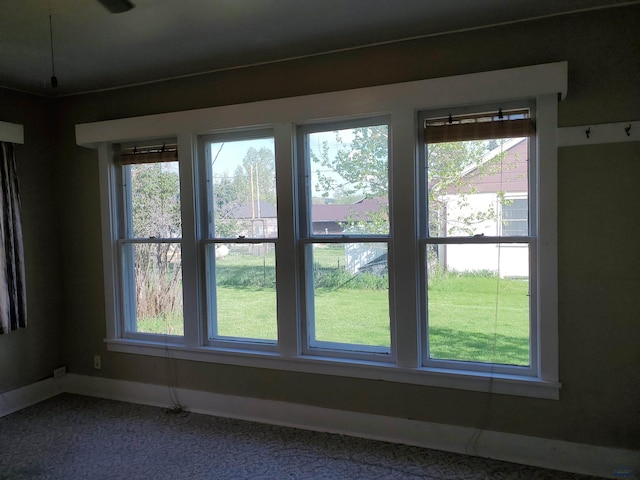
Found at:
[445, 378]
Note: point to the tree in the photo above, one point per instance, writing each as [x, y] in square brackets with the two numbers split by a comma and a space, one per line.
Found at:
[228, 192]
[356, 170]
[155, 211]
[449, 179]
[357, 167]
[360, 166]
[155, 198]
[252, 181]
[262, 164]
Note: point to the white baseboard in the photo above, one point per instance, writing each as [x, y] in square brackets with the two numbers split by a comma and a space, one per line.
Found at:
[539, 452]
[22, 397]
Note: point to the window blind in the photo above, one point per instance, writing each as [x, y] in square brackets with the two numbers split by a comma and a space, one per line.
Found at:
[148, 154]
[485, 126]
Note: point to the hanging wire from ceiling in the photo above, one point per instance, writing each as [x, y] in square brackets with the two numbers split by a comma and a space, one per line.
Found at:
[54, 79]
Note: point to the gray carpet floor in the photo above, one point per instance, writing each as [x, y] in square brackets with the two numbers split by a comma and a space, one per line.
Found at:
[71, 436]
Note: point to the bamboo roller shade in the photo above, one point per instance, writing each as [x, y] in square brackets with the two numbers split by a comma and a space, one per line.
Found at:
[509, 124]
[153, 154]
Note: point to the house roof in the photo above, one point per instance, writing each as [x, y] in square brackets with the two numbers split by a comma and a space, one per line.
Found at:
[260, 210]
[511, 177]
[345, 212]
[504, 148]
[320, 213]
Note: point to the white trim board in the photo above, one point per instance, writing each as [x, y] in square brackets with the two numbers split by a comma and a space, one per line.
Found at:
[601, 133]
[11, 132]
[539, 452]
[449, 378]
[445, 92]
[526, 450]
[23, 397]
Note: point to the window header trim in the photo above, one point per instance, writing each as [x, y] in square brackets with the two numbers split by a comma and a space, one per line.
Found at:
[484, 87]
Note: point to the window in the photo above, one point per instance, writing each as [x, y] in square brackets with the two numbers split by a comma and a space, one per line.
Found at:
[478, 272]
[150, 240]
[242, 228]
[387, 233]
[515, 219]
[345, 234]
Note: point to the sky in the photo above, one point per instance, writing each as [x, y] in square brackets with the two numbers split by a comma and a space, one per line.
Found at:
[234, 151]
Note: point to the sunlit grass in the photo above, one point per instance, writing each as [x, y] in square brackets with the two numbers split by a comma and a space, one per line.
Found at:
[247, 313]
[473, 317]
[476, 318]
[351, 316]
[167, 325]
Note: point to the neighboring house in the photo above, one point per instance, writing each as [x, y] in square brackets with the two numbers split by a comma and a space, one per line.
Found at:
[334, 219]
[482, 193]
[257, 220]
[364, 259]
[327, 219]
[330, 219]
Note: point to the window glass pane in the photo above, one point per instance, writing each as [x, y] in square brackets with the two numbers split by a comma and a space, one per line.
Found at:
[351, 298]
[468, 181]
[155, 286]
[155, 200]
[243, 189]
[349, 180]
[478, 302]
[242, 289]
[515, 217]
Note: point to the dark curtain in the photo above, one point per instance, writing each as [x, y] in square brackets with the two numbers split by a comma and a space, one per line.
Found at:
[13, 300]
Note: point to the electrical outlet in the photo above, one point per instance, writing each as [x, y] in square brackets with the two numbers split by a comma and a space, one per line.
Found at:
[97, 362]
[59, 372]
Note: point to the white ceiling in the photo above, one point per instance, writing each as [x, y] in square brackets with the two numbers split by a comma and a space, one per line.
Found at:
[160, 39]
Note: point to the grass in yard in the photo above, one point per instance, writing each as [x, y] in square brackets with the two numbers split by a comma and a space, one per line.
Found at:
[329, 256]
[168, 325]
[340, 316]
[247, 313]
[354, 316]
[469, 322]
[472, 317]
[246, 294]
[243, 312]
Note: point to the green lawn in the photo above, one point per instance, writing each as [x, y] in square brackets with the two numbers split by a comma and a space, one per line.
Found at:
[354, 316]
[247, 313]
[477, 318]
[471, 317]
[329, 256]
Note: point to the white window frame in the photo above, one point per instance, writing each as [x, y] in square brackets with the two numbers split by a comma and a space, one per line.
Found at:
[529, 241]
[401, 102]
[204, 203]
[514, 198]
[125, 236]
[307, 239]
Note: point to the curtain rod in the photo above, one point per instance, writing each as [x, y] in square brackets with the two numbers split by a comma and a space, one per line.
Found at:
[11, 132]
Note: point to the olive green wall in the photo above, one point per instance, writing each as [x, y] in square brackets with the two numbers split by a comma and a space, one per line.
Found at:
[31, 354]
[599, 279]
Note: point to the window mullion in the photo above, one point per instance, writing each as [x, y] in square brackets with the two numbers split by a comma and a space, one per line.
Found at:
[404, 257]
[190, 258]
[546, 218]
[109, 207]
[286, 260]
